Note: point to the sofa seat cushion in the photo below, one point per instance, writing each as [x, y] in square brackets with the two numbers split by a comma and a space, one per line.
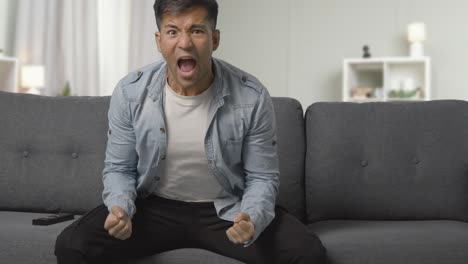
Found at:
[390, 242]
[23, 243]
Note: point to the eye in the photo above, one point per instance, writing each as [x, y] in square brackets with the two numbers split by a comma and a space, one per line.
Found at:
[171, 32]
[197, 31]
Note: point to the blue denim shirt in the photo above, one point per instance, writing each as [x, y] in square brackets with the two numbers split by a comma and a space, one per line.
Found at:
[240, 142]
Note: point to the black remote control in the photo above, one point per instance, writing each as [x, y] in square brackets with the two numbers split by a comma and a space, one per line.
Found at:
[52, 219]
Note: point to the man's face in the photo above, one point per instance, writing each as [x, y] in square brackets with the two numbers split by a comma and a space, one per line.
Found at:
[187, 41]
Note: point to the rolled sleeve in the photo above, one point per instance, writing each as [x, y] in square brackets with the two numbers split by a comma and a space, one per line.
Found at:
[260, 161]
[120, 165]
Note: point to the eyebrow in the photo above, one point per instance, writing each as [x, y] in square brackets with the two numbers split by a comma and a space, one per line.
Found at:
[170, 26]
[199, 26]
[193, 26]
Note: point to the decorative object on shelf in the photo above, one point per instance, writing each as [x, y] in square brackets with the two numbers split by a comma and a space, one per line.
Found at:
[404, 94]
[406, 84]
[366, 52]
[66, 90]
[361, 93]
[378, 93]
[406, 89]
[416, 37]
[32, 78]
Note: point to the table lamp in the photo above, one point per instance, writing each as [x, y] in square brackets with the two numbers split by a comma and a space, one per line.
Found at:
[416, 37]
[32, 78]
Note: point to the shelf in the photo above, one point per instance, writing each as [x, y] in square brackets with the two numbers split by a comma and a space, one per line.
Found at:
[378, 77]
[387, 59]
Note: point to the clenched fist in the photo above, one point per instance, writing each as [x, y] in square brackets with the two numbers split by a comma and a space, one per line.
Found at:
[118, 223]
[242, 231]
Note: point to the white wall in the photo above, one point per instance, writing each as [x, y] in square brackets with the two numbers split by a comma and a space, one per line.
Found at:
[3, 23]
[325, 32]
[7, 25]
[309, 39]
[254, 37]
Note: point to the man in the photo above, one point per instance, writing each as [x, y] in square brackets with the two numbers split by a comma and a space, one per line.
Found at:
[191, 159]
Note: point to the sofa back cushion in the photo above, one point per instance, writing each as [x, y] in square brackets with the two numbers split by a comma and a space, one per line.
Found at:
[291, 153]
[51, 152]
[387, 161]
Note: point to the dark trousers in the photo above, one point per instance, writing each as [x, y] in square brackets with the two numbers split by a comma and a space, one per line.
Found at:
[161, 225]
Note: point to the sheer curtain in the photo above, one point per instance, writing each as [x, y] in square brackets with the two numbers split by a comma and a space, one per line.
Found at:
[114, 19]
[62, 36]
[37, 39]
[79, 39]
[127, 42]
[90, 43]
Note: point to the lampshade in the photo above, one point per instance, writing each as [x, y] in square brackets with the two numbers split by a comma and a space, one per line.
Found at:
[32, 76]
[416, 32]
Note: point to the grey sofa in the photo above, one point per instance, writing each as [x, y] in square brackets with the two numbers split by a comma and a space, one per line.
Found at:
[379, 183]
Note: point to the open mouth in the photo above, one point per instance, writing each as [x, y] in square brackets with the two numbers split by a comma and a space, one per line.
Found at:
[186, 65]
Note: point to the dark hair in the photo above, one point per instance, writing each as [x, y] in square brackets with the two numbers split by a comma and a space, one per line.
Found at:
[162, 7]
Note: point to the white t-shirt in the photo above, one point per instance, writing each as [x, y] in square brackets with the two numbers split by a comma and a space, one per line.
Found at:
[184, 173]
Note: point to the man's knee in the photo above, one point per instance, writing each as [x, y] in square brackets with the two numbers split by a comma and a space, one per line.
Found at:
[314, 254]
[63, 241]
[65, 251]
[74, 243]
[309, 250]
[312, 249]
[302, 255]
[69, 256]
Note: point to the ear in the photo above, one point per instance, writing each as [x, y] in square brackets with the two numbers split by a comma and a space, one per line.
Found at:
[157, 36]
[216, 39]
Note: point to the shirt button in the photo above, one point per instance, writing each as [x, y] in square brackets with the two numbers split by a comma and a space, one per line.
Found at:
[25, 154]
[74, 155]
[163, 130]
[163, 157]
[244, 79]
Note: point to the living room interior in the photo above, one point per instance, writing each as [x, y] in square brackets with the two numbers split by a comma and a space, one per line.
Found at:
[295, 48]
[379, 183]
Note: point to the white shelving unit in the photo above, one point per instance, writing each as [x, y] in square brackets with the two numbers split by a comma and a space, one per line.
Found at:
[9, 68]
[387, 79]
